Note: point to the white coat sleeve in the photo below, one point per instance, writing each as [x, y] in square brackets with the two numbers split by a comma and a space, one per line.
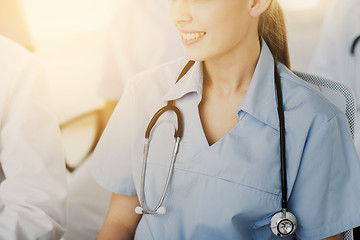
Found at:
[33, 192]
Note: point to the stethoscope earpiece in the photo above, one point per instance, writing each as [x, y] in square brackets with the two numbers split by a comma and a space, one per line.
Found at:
[283, 224]
[161, 210]
[139, 210]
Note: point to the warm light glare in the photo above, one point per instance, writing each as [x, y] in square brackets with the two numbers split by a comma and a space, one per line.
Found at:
[13, 24]
[61, 17]
[69, 38]
[298, 5]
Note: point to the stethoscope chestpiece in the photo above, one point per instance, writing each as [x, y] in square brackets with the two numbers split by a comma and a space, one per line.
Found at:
[283, 224]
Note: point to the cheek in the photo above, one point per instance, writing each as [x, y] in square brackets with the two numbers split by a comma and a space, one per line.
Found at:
[229, 21]
[230, 32]
[225, 28]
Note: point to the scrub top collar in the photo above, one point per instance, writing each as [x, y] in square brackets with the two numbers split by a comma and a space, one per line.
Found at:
[260, 100]
[191, 82]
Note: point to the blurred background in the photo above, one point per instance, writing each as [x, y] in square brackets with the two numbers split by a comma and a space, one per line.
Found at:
[69, 37]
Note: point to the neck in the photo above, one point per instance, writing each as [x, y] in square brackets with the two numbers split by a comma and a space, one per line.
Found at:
[232, 73]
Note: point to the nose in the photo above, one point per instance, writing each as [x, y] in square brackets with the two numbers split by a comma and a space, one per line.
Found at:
[180, 12]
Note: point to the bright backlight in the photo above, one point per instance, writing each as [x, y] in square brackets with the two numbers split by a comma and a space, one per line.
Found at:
[298, 5]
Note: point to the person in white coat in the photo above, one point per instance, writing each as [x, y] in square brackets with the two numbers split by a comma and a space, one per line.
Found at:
[32, 172]
[338, 51]
[141, 36]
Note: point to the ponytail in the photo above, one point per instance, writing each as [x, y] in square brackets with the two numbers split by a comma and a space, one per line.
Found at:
[273, 30]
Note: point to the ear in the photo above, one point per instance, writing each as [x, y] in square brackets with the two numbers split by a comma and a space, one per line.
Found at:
[258, 7]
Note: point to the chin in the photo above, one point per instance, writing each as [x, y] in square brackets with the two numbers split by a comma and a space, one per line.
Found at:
[196, 53]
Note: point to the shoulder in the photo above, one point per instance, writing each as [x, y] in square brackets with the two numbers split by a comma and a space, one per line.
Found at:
[304, 101]
[15, 63]
[14, 58]
[12, 51]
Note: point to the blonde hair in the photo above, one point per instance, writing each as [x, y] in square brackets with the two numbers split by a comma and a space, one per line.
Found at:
[272, 29]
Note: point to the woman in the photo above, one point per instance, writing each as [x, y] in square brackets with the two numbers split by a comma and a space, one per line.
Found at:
[226, 180]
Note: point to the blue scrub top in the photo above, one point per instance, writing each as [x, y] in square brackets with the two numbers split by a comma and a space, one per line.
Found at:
[231, 189]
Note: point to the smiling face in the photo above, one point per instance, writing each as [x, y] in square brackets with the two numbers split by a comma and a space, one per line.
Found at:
[213, 28]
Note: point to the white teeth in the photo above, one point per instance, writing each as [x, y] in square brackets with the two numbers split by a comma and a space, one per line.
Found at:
[192, 36]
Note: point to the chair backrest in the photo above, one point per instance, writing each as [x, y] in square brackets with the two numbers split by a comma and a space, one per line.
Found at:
[341, 96]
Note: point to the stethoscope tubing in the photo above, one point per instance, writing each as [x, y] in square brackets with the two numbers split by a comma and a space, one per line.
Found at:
[178, 135]
[353, 45]
[282, 139]
[143, 173]
[169, 107]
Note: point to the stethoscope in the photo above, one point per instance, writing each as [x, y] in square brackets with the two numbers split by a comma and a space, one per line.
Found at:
[282, 224]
